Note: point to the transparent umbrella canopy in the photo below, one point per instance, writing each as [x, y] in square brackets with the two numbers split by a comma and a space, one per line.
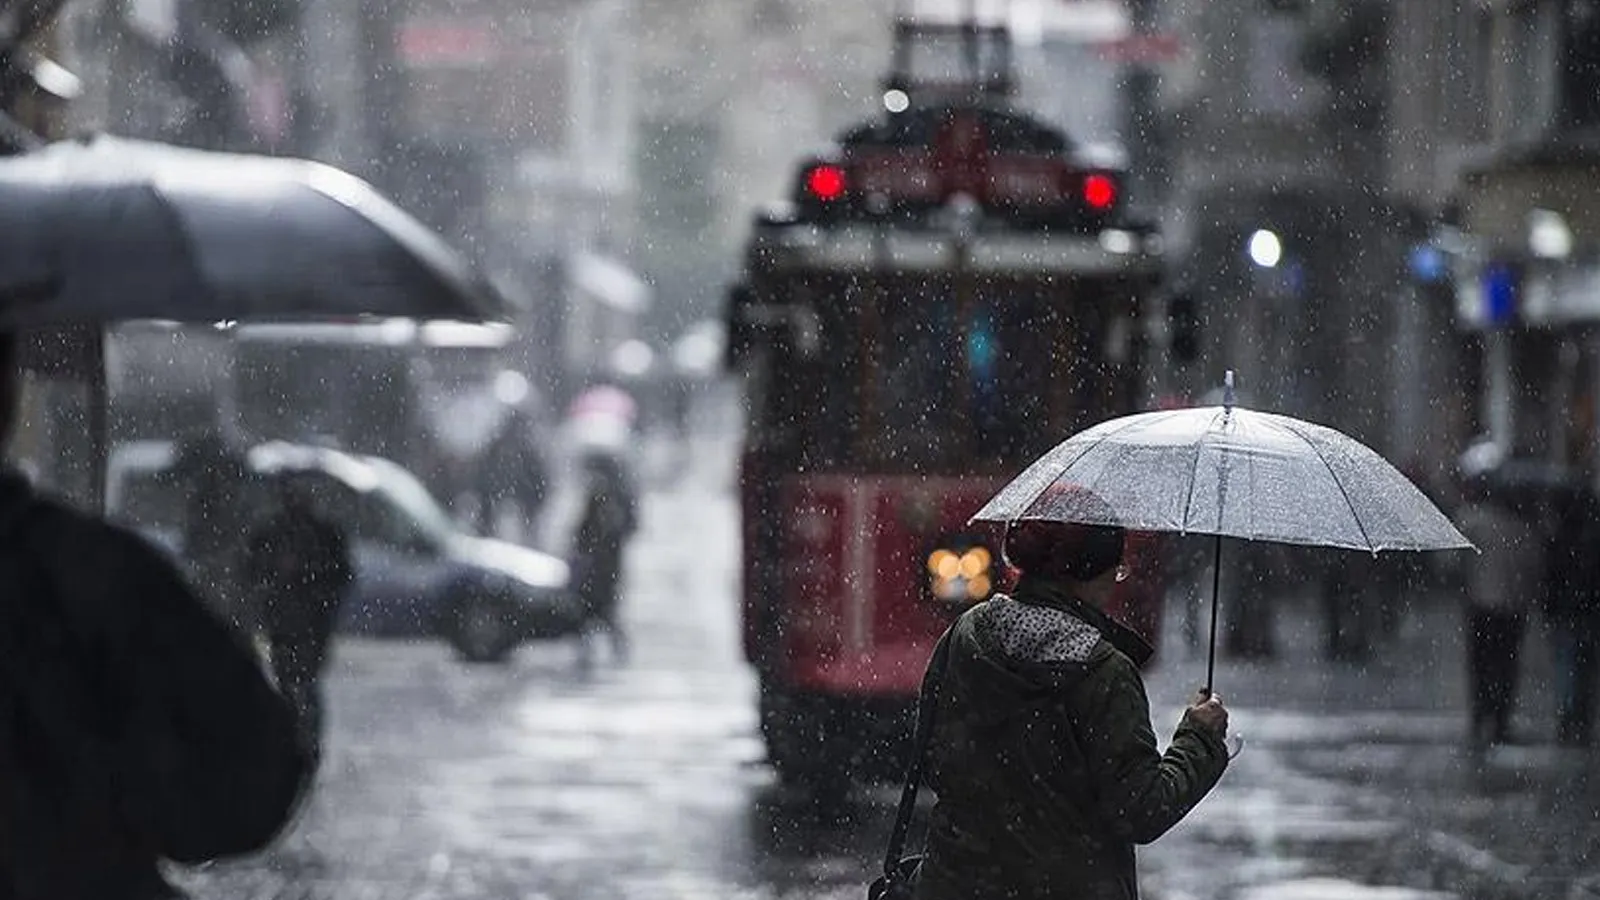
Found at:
[1227, 471]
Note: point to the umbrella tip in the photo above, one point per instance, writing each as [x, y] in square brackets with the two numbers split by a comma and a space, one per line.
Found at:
[1227, 389]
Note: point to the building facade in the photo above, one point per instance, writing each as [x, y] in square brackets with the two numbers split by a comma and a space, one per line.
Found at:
[1526, 246]
[1316, 148]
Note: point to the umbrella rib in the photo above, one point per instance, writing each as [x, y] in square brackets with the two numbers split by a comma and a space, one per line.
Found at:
[1194, 472]
[1335, 476]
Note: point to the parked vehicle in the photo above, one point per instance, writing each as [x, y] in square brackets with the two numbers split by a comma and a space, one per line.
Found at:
[418, 571]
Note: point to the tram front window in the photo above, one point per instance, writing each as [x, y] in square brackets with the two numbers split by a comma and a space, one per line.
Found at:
[959, 381]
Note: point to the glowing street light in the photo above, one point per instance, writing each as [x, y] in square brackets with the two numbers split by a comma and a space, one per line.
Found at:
[1266, 250]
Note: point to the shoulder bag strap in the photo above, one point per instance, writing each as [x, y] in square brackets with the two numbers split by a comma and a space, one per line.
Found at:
[927, 706]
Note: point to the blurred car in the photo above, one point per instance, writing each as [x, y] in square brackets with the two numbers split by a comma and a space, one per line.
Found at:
[418, 572]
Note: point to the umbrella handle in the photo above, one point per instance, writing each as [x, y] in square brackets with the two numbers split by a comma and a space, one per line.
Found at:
[1216, 588]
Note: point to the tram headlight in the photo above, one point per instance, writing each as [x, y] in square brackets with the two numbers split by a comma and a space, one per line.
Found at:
[961, 575]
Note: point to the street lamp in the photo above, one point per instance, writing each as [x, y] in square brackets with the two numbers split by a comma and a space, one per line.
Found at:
[1265, 248]
[1548, 235]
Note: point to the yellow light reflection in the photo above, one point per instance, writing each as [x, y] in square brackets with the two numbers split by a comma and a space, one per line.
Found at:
[975, 562]
[949, 566]
[978, 588]
[938, 560]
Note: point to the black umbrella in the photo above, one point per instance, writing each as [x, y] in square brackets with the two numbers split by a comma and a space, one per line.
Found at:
[110, 229]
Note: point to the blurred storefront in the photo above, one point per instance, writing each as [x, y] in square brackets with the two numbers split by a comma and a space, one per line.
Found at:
[1526, 255]
[1527, 273]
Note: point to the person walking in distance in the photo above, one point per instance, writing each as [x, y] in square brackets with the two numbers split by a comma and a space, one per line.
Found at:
[1572, 614]
[609, 518]
[1503, 580]
[299, 568]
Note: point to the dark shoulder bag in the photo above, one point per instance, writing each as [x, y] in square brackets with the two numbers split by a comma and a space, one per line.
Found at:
[899, 878]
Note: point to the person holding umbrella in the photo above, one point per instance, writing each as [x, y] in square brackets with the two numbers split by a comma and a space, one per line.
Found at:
[1044, 698]
[1043, 756]
[135, 726]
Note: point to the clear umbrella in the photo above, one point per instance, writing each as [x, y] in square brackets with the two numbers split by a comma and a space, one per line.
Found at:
[1229, 472]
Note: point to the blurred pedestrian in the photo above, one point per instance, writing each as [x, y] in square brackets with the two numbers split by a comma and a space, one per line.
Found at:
[514, 474]
[215, 522]
[1042, 752]
[1572, 614]
[609, 519]
[1252, 575]
[299, 569]
[1348, 589]
[135, 726]
[1503, 581]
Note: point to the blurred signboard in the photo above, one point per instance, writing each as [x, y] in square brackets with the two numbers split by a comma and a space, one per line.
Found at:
[1147, 49]
[1502, 294]
[447, 43]
[1561, 294]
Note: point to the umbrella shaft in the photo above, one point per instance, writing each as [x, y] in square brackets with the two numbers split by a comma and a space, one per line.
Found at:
[1216, 589]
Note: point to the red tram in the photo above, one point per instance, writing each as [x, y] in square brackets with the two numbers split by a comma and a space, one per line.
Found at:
[949, 293]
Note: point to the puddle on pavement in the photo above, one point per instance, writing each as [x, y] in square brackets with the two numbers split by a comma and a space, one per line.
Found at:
[1336, 889]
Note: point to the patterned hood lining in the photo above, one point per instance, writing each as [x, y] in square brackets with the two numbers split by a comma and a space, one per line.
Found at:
[1028, 633]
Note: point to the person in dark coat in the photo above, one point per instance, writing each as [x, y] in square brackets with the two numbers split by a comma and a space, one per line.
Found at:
[513, 471]
[216, 479]
[1042, 755]
[1572, 614]
[299, 569]
[135, 726]
[609, 518]
[1504, 580]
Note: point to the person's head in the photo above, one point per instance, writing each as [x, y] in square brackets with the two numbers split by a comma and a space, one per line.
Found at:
[1064, 551]
[1086, 556]
[604, 469]
[10, 384]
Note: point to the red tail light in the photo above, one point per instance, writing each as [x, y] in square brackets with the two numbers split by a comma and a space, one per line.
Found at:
[1100, 192]
[825, 182]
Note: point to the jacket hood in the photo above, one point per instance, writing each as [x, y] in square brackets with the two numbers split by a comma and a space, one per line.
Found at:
[1023, 649]
[1055, 595]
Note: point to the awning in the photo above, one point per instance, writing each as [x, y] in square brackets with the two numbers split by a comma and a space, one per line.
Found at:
[610, 282]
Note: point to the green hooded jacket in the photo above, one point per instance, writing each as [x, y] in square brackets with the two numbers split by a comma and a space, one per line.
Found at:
[1043, 757]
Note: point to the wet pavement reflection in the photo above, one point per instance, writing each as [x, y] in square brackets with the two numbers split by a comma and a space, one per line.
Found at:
[543, 780]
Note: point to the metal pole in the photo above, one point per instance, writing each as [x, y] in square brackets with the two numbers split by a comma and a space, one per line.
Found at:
[1216, 589]
[1499, 408]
